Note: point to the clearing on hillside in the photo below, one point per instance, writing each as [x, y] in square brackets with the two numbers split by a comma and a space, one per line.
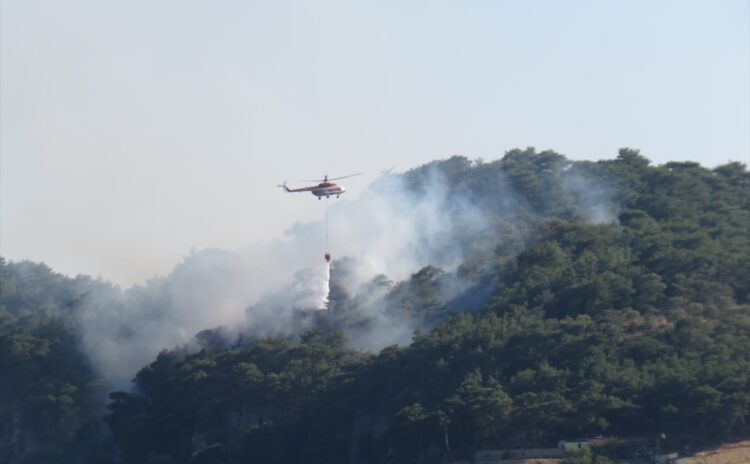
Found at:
[731, 453]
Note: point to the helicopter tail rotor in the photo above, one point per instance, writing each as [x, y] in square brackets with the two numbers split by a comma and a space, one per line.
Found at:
[286, 189]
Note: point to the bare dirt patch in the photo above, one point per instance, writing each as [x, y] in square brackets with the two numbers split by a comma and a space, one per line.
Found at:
[731, 453]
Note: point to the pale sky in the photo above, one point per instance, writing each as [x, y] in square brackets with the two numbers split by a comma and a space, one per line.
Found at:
[133, 131]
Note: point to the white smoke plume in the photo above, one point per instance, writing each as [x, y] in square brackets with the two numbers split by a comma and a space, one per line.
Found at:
[400, 224]
[592, 196]
[311, 288]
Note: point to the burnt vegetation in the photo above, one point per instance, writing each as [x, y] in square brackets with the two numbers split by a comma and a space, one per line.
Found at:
[602, 298]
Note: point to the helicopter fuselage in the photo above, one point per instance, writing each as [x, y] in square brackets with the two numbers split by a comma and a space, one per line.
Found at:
[324, 189]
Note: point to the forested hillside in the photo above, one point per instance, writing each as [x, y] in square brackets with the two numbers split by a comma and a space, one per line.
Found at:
[597, 298]
[50, 397]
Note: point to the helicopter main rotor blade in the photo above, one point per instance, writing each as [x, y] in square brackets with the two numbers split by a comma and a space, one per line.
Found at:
[344, 177]
[325, 179]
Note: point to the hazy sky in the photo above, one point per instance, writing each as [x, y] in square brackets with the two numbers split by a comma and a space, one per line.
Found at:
[132, 131]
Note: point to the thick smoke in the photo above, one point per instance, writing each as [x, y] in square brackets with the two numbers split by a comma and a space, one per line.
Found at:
[310, 290]
[399, 225]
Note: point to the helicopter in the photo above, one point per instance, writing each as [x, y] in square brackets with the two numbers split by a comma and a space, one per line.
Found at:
[326, 188]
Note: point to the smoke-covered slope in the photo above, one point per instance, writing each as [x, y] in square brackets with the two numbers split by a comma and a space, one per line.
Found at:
[445, 214]
[442, 214]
